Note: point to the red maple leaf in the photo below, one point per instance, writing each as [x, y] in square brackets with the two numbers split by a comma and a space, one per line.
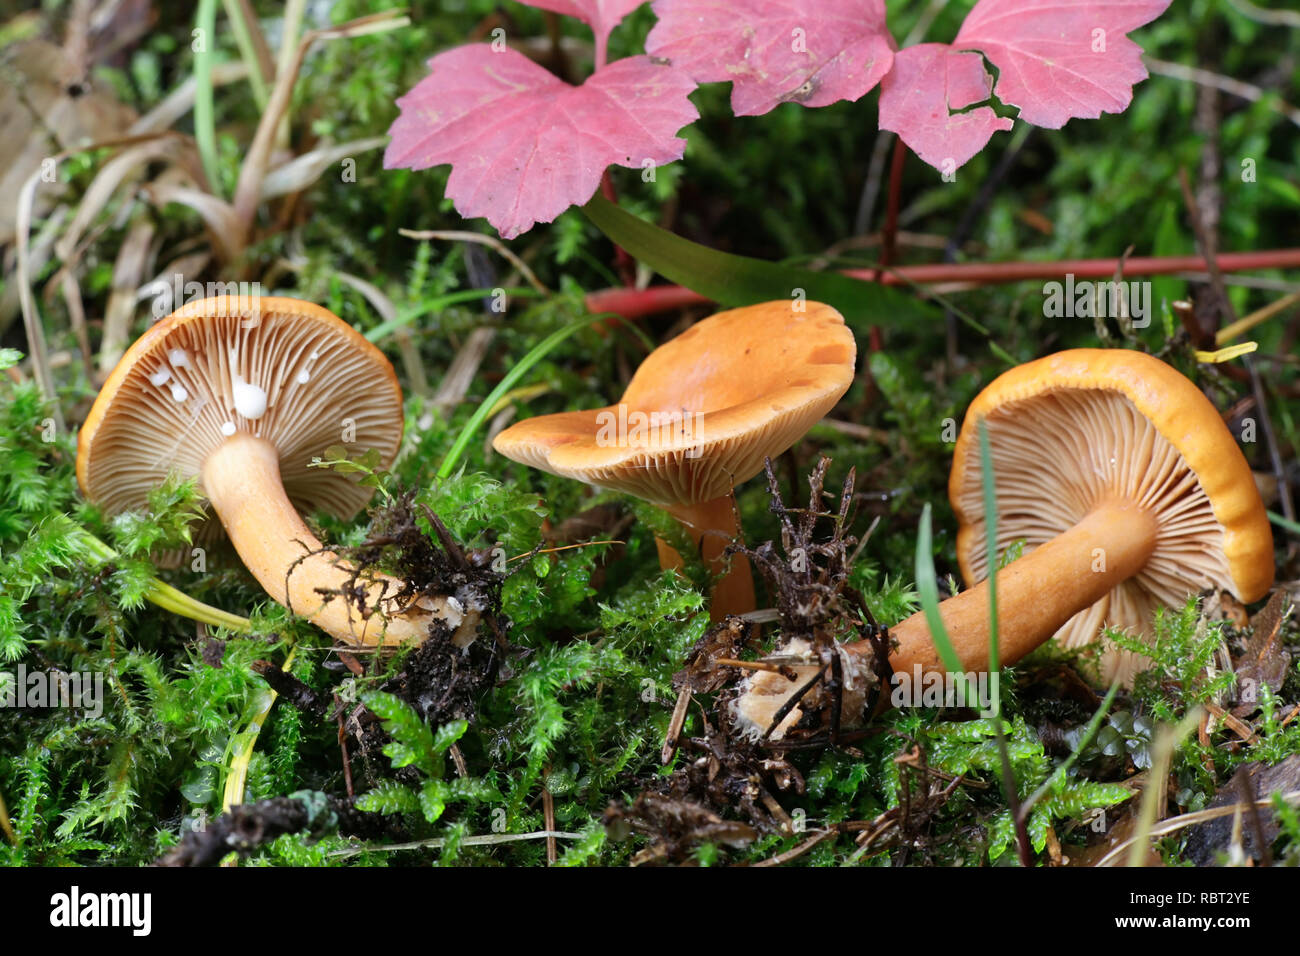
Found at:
[917, 99]
[1061, 59]
[601, 15]
[523, 144]
[1056, 60]
[813, 52]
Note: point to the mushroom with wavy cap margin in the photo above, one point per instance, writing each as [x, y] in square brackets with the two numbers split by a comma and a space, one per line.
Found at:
[1129, 493]
[242, 392]
[698, 418]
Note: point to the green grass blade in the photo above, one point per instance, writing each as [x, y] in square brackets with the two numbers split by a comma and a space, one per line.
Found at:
[738, 280]
[1286, 524]
[535, 355]
[162, 594]
[991, 539]
[244, 40]
[995, 663]
[239, 751]
[385, 329]
[1094, 725]
[205, 133]
[928, 589]
[1168, 739]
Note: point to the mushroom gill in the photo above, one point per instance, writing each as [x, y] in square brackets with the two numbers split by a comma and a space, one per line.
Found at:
[1056, 458]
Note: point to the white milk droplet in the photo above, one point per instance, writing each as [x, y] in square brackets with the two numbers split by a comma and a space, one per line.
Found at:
[160, 377]
[305, 375]
[250, 401]
[179, 357]
[178, 392]
[227, 428]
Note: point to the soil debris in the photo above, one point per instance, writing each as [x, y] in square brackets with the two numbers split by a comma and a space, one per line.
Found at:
[730, 768]
[248, 826]
[675, 827]
[818, 611]
[1250, 837]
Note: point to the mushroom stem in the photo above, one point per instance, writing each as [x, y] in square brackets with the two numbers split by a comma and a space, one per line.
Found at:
[242, 481]
[712, 526]
[1037, 594]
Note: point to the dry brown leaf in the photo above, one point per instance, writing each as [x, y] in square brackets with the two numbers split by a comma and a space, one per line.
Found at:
[1264, 660]
[41, 117]
[1206, 840]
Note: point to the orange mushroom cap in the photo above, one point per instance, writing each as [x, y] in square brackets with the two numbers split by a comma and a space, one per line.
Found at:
[1086, 426]
[704, 409]
[285, 370]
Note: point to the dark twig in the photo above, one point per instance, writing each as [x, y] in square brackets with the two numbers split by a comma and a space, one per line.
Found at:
[789, 705]
[343, 749]
[797, 851]
[548, 811]
[675, 725]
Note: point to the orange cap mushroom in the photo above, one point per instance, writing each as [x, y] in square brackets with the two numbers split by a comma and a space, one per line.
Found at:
[698, 418]
[1118, 440]
[241, 393]
[1129, 492]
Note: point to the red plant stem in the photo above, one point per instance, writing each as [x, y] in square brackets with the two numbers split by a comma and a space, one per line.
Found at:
[634, 303]
[889, 236]
[623, 261]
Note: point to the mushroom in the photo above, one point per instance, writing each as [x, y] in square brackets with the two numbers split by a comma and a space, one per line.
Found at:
[1128, 492]
[241, 393]
[698, 418]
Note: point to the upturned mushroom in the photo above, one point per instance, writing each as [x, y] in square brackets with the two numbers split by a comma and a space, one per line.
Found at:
[698, 418]
[242, 393]
[1129, 494]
